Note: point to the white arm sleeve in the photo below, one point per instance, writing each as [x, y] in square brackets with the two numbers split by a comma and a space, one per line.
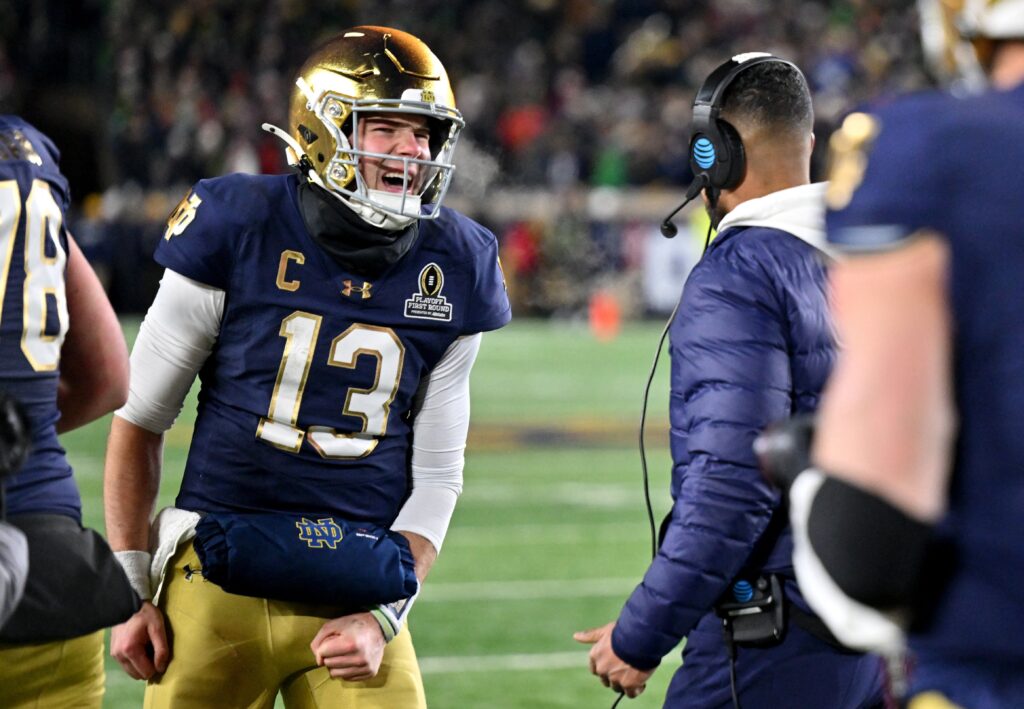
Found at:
[439, 443]
[175, 338]
[13, 568]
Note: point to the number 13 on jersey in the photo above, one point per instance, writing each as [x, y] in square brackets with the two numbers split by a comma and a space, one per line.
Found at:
[371, 405]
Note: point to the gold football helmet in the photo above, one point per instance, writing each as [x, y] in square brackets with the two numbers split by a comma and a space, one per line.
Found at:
[367, 70]
[958, 34]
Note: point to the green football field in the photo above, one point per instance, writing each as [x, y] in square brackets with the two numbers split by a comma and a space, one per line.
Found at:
[550, 535]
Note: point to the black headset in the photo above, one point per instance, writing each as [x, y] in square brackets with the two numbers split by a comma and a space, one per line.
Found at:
[717, 158]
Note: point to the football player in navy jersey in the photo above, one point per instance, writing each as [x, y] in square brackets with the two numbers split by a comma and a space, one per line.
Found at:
[913, 507]
[333, 316]
[64, 359]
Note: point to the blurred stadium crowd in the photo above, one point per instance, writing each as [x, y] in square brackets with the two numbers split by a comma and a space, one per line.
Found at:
[577, 110]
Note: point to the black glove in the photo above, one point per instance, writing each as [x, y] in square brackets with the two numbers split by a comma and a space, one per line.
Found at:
[15, 440]
[784, 450]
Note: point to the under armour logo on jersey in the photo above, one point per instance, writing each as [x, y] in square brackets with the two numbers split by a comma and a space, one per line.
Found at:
[363, 290]
[320, 533]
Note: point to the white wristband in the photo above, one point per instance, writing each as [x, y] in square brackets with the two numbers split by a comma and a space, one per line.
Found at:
[391, 616]
[389, 624]
[136, 567]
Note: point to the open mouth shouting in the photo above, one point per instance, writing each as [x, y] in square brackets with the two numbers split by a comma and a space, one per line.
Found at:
[395, 182]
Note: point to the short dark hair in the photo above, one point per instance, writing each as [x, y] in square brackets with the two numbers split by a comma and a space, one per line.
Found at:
[770, 95]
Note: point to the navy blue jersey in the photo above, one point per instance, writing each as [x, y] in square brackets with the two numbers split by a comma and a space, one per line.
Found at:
[957, 167]
[34, 316]
[306, 398]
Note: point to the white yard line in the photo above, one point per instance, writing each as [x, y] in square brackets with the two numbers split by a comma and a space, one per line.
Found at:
[562, 494]
[526, 590]
[558, 533]
[500, 663]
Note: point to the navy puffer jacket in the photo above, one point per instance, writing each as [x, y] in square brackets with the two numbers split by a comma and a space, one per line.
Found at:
[751, 344]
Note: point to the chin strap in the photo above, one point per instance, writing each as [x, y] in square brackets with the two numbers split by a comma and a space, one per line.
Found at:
[375, 217]
[365, 211]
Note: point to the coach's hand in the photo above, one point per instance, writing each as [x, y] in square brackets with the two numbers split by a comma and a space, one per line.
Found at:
[614, 672]
[140, 643]
[351, 647]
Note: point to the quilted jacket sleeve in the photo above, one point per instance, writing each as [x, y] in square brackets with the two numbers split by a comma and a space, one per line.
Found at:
[731, 376]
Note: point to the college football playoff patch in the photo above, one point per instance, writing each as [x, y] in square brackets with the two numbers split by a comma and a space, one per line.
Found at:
[429, 304]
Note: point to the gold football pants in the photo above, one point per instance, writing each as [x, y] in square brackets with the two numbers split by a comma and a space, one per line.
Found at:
[236, 651]
[66, 674]
[932, 700]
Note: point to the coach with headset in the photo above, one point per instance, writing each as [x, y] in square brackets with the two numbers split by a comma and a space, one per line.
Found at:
[751, 343]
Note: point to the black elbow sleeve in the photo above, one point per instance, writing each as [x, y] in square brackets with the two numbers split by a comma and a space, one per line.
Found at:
[872, 550]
